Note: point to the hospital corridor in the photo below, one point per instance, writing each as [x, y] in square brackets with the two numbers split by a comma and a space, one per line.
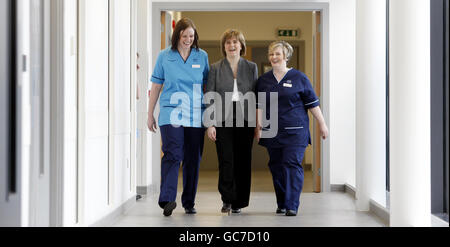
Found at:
[75, 90]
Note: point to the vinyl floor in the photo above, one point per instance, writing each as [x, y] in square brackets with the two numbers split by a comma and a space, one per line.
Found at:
[331, 209]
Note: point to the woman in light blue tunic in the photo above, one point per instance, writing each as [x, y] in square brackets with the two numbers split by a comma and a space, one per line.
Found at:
[182, 69]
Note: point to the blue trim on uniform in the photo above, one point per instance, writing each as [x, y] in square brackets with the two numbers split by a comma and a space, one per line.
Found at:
[161, 79]
[317, 101]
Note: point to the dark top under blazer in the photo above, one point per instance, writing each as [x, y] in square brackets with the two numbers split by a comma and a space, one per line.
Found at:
[295, 96]
[221, 80]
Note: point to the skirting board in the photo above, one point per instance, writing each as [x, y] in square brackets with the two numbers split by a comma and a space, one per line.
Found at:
[147, 190]
[374, 207]
[344, 188]
[380, 211]
[109, 219]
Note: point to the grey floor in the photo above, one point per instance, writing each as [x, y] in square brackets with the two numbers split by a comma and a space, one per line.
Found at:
[334, 209]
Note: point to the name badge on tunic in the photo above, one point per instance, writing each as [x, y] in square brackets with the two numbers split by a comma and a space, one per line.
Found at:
[196, 66]
[287, 85]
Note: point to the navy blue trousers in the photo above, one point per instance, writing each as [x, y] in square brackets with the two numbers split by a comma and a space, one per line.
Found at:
[287, 172]
[185, 145]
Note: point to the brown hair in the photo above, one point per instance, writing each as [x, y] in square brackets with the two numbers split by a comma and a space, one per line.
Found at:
[182, 25]
[228, 34]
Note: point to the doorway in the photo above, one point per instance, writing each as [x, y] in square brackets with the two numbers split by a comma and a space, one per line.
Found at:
[307, 58]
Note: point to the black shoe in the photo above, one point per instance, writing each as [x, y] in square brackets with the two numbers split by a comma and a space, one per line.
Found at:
[291, 213]
[281, 211]
[170, 206]
[226, 208]
[190, 211]
[236, 211]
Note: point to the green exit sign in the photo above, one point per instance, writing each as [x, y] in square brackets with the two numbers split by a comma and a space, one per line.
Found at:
[288, 33]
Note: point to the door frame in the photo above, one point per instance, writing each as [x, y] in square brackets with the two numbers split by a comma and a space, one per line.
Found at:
[40, 107]
[317, 60]
[323, 7]
[56, 111]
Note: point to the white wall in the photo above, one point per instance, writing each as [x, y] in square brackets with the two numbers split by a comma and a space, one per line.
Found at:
[410, 155]
[106, 180]
[144, 146]
[24, 109]
[121, 101]
[70, 114]
[342, 91]
[370, 103]
[94, 74]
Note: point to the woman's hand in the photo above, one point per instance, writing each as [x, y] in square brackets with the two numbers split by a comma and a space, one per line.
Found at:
[212, 133]
[153, 98]
[151, 123]
[324, 131]
[317, 113]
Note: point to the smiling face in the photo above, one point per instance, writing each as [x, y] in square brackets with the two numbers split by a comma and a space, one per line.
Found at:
[233, 47]
[187, 38]
[277, 58]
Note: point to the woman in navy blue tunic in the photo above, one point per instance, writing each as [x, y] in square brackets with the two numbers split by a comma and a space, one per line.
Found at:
[286, 150]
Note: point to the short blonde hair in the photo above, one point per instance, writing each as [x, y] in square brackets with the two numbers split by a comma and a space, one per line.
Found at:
[288, 51]
[228, 34]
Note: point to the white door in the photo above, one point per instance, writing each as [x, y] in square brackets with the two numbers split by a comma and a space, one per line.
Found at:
[39, 85]
[94, 185]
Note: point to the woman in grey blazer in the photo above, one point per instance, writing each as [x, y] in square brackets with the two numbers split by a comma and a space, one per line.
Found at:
[233, 79]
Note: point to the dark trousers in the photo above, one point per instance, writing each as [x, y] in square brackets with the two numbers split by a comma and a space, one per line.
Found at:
[234, 150]
[180, 145]
[286, 167]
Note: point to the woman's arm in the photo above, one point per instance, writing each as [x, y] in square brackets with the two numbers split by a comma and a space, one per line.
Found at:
[211, 87]
[154, 95]
[259, 126]
[317, 113]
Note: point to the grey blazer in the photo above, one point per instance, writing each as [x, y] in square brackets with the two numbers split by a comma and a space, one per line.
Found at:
[221, 80]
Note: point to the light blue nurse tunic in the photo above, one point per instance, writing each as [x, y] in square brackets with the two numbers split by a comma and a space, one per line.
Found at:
[181, 98]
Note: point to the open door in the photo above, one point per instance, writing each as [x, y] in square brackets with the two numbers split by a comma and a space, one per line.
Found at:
[15, 113]
[317, 171]
[9, 193]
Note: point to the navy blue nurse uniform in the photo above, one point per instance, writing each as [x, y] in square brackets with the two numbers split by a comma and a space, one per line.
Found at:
[287, 148]
[180, 116]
